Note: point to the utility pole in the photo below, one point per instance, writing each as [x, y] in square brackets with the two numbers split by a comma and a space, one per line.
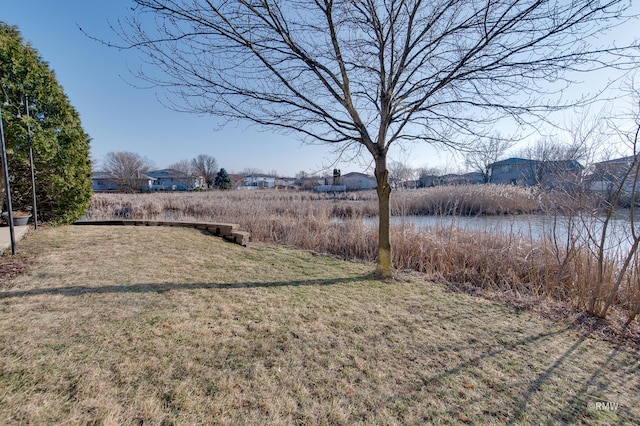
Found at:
[33, 174]
[7, 186]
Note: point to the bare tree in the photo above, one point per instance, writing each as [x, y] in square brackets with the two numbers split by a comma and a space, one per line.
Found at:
[127, 168]
[185, 167]
[252, 171]
[427, 175]
[551, 149]
[400, 173]
[485, 152]
[207, 167]
[372, 73]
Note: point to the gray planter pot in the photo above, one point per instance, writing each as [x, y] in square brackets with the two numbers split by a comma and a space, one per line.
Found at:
[17, 220]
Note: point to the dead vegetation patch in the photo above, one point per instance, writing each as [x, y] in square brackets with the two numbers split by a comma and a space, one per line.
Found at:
[611, 329]
[11, 267]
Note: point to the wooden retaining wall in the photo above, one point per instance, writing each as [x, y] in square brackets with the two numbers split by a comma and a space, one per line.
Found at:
[228, 231]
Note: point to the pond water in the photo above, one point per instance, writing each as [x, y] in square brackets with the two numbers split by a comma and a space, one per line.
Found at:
[586, 229]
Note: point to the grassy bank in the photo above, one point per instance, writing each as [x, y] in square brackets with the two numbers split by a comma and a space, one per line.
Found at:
[137, 325]
[570, 270]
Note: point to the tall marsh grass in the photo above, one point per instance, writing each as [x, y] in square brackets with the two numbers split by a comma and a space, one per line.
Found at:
[468, 200]
[562, 270]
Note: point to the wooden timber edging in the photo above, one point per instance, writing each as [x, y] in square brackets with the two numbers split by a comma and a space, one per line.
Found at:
[228, 231]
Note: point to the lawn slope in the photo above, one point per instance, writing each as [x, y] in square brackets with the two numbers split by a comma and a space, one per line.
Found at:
[137, 325]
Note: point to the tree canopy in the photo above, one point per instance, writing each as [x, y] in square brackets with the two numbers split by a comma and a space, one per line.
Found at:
[485, 153]
[128, 169]
[369, 74]
[223, 180]
[60, 145]
[206, 166]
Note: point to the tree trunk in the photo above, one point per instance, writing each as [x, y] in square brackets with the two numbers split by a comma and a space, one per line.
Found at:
[385, 259]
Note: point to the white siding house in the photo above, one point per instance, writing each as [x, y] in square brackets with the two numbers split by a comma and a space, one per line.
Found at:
[620, 174]
[355, 181]
[259, 181]
[105, 181]
[174, 180]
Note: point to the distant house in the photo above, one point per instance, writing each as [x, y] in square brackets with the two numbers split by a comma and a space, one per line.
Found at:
[561, 174]
[427, 181]
[255, 181]
[309, 183]
[609, 176]
[285, 183]
[332, 183]
[524, 172]
[355, 181]
[471, 178]
[105, 181]
[514, 171]
[174, 180]
[237, 180]
[449, 179]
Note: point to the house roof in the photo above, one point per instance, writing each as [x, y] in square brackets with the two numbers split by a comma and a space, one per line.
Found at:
[622, 160]
[564, 164]
[513, 160]
[101, 175]
[357, 174]
[107, 175]
[259, 176]
[558, 164]
[168, 173]
[473, 175]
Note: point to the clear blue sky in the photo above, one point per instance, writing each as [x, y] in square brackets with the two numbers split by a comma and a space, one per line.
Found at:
[119, 117]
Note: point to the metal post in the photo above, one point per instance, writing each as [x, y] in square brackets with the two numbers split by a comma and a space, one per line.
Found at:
[33, 173]
[7, 187]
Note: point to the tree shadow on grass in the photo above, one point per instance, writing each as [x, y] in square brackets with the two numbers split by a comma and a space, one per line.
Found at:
[72, 291]
[518, 403]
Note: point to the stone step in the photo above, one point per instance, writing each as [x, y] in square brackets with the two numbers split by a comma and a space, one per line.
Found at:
[239, 237]
[229, 231]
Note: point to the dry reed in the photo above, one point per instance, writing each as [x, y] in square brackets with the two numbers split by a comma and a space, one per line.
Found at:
[468, 200]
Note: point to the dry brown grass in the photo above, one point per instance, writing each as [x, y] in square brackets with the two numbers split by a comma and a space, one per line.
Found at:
[149, 325]
[469, 200]
[449, 200]
[519, 267]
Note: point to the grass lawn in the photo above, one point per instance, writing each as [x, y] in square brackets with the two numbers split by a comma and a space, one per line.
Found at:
[152, 325]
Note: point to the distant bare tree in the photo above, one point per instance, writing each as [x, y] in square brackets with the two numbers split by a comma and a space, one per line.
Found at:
[252, 171]
[426, 175]
[484, 152]
[373, 73]
[185, 167]
[127, 168]
[207, 167]
[548, 149]
[400, 173]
